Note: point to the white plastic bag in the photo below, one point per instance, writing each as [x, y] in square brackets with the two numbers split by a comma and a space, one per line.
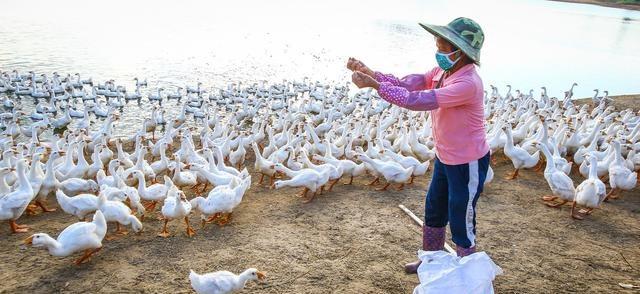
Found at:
[441, 272]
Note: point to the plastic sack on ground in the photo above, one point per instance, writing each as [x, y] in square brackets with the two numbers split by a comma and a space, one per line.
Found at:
[441, 272]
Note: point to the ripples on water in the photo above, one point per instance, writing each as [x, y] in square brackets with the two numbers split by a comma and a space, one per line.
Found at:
[528, 43]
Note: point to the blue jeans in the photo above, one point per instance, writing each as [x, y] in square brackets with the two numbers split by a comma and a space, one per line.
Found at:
[452, 198]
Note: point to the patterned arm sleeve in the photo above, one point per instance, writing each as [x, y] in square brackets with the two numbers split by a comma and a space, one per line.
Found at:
[386, 78]
[412, 100]
[411, 82]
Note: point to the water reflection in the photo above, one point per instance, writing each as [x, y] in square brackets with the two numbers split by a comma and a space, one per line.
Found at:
[528, 44]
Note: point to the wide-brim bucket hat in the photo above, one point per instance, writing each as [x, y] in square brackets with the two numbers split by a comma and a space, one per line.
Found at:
[463, 33]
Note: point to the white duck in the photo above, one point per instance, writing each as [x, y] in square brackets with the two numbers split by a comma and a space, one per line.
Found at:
[349, 167]
[79, 205]
[75, 186]
[176, 206]
[393, 172]
[81, 168]
[214, 177]
[157, 95]
[560, 162]
[228, 169]
[333, 173]
[420, 168]
[49, 184]
[221, 201]
[223, 282]
[621, 178]
[263, 166]
[237, 157]
[123, 157]
[13, 205]
[112, 180]
[81, 236]
[591, 192]
[519, 157]
[420, 150]
[182, 178]
[308, 178]
[133, 197]
[141, 165]
[118, 212]
[561, 185]
[161, 165]
[153, 193]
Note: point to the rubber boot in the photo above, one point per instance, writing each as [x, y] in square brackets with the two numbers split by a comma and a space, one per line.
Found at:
[462, 252]
[432, 240]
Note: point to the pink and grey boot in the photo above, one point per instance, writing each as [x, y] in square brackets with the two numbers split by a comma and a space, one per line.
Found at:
[462, 252]
[432, 240]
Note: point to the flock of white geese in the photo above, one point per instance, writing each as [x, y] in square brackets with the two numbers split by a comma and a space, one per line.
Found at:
[302, 134]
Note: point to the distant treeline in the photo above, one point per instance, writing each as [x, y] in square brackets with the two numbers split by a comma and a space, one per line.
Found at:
[626, 1]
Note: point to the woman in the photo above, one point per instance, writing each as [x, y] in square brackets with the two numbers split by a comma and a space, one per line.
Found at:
[453, 92]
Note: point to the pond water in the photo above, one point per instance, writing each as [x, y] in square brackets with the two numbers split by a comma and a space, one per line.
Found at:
[528, 44]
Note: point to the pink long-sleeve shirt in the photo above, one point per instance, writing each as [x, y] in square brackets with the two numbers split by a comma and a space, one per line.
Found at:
[457, 109]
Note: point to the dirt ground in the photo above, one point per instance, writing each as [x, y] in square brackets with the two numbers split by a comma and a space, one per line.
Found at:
[350, 240]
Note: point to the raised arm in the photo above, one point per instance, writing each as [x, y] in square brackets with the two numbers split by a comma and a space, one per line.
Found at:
[452, 95]
[411, 82]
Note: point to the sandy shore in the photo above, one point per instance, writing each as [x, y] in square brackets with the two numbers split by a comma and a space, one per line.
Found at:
[607, 3]
[620, 101]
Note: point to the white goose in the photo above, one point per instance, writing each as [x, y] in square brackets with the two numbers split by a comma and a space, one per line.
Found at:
[82, 236]
[561, 185]
[223, 282]
[161, 165]
[153, 193]
[349, 167]
[519, 157]
[221, 201]
[591, 192]
[75, 186]
[308, 178]
[621, 178]
[81, 168]
[49, 183]
[419, 168]
[560, 162]
[176, 206]
[393, 172]
[13, 205]
[157, 95]
[118, 212]
[263, 166]
[182, 178]
[80, 205]
[333, 173]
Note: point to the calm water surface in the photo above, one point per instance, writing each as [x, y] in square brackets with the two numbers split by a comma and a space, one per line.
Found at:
[529, 43]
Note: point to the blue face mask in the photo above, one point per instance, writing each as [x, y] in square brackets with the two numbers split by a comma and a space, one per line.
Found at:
[443, 60]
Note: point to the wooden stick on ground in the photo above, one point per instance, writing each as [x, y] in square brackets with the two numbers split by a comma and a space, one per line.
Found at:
[421, 223]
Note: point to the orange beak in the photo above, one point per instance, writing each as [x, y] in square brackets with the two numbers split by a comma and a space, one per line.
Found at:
[28, 241]
[261, 276]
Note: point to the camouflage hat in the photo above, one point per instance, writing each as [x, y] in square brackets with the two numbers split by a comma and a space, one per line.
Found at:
[463, 33]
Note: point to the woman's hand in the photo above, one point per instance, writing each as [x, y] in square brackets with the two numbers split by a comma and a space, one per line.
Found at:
[357, 65]
[363, 80]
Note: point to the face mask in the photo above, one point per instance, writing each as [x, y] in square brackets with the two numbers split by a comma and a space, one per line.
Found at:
[443, 60]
